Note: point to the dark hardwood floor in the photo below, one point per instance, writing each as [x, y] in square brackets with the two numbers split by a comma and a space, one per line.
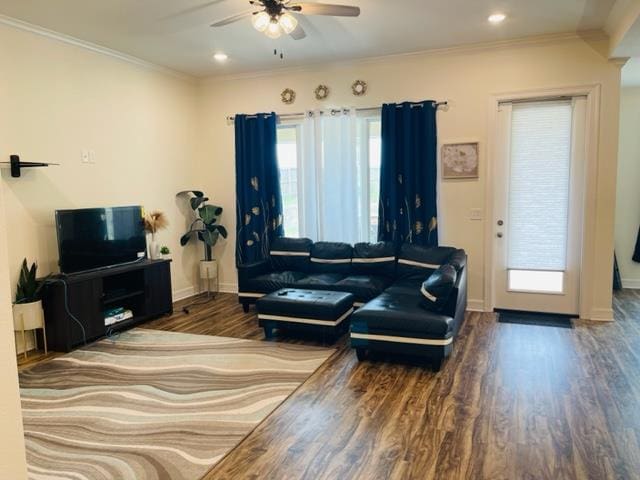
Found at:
[512, 402]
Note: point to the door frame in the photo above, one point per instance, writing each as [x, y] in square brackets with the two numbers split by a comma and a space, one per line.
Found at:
[592, 129]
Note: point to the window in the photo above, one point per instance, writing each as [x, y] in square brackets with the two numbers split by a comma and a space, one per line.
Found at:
[290, 162]
[538, 203]
[287, 151]
[536, 281]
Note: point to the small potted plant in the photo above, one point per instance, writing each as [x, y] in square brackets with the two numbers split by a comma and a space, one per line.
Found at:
[153, 222]
[27, 308]
[165, 252]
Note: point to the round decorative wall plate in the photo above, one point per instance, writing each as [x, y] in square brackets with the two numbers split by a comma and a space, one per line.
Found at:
[288, 96]
[359, 88]
[322, 92]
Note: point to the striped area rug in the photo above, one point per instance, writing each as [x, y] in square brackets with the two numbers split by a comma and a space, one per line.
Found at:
[154, 404]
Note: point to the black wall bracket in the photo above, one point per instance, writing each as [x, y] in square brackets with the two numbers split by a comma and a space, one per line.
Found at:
[16, 165]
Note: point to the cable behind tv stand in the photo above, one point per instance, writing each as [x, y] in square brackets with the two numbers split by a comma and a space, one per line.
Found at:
[143, 287]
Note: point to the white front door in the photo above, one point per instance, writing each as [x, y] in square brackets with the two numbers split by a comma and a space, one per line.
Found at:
[538, 205]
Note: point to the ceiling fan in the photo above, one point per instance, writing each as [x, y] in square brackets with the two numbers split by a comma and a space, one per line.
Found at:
[275, 16]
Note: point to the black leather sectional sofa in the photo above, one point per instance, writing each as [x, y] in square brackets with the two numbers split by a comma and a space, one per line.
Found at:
[387, 285]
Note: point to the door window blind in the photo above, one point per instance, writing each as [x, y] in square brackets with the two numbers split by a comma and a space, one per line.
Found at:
[539, 176]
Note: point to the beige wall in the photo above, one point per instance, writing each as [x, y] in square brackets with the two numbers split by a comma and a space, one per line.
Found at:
[154, 135]
[12, 454]
[58, 99]
[466, 78]
[628, 192]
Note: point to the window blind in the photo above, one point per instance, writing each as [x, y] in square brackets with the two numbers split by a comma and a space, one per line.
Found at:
[539, 185]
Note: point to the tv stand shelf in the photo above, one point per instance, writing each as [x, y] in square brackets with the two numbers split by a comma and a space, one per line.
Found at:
[143, 287]
[108, 299]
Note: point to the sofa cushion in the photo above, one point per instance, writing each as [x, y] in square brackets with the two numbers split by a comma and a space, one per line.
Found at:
[290, 254]
[374, 259]
[437, 288]
[401, 315]
[406, 286]
[271, 282]
[319, 281]
[363, 287]
[416, 260]
[331, 257]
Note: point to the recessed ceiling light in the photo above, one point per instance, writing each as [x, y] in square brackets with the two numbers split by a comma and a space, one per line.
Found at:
[497, 18]
[220, 57]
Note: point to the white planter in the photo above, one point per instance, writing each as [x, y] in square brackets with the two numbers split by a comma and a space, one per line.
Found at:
[166, 256]
[28, 316]
[208, 269]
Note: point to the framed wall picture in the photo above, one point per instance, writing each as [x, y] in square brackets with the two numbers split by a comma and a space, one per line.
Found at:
[460, 160]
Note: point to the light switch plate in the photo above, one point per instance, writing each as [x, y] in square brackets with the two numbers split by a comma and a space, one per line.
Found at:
[475, 214]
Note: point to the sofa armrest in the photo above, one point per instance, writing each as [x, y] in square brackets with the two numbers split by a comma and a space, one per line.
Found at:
[460, 305]
[457, 301]
[251, 270]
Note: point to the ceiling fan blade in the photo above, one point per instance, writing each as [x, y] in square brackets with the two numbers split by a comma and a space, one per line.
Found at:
[325, 9]
[232, 18]
[298, 33]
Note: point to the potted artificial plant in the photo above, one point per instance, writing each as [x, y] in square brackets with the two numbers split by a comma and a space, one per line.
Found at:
[165, 252]
[27, 308]
[205, 228]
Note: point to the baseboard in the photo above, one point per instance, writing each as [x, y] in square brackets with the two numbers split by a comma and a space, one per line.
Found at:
[601, 315]
[229, 287]
[633, 283]
[191, 291]
[183, 293]
[474, 305]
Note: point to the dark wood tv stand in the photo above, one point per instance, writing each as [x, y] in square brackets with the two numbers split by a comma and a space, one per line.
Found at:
[143, 287]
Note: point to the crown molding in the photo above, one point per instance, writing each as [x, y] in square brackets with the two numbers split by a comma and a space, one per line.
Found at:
[619, 61]
[586, 35]
[76, 42]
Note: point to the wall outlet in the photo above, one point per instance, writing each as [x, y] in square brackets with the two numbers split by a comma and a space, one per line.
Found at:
[475, 214]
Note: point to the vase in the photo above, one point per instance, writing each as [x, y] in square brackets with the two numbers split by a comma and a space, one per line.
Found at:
[154, 248]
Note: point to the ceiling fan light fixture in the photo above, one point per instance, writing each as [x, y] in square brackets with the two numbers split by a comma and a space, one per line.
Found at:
[288, 23]
[273, 29]
[261, 21]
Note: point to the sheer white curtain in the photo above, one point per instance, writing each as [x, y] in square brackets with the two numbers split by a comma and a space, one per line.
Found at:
[330, 206]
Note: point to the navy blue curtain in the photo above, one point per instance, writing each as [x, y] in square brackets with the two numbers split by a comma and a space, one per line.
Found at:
[408, 174]
[259, 201]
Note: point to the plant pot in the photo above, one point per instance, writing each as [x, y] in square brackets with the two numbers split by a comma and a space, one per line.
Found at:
[166, 256]
[208, 269]
[28, 316]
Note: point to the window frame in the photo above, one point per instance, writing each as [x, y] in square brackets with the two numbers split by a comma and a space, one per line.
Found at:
[294, 124]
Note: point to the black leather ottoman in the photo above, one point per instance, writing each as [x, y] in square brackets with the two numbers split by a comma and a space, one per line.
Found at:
[322, 311]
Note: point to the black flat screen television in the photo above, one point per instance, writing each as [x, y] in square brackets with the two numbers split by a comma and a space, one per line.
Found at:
[94, 238]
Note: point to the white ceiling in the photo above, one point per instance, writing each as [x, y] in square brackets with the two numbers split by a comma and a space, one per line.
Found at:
[176, 33]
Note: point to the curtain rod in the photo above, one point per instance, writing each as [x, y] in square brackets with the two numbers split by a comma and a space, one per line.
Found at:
[231, 118]
[553, 98]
